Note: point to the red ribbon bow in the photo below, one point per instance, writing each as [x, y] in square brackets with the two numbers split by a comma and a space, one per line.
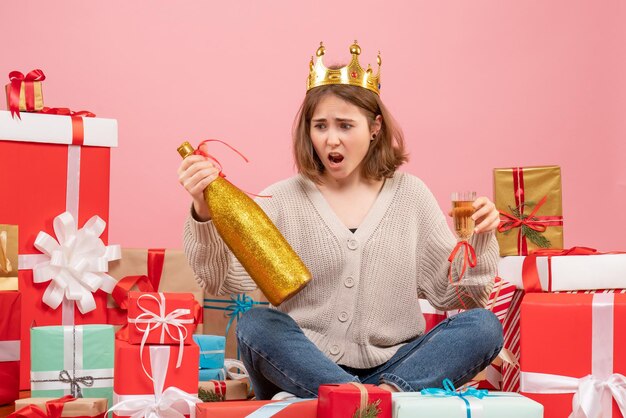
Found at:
[469, 260]
[54, 409]
[531, 221]
[17, 78]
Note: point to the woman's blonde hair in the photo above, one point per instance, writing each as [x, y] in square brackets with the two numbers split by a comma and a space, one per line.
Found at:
[387, 151]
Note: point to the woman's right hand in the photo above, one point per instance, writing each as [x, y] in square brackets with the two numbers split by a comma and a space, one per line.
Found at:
[195, 173]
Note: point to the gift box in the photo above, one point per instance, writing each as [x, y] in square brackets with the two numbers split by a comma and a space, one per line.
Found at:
[344, 400]
[492, 405]
[211, 351]
[8, 257]
[41, 152]
[578, 268]
[574, 352]
[222, 312]
[24, 92]
[161, 318]
[300, 408]
[205, 375]
[72, 360]
[150, 270]
[81, 407]
[10, 310]
[511, 330]
[530, 204]
[499, 303]
[223, 390]
[155, 376]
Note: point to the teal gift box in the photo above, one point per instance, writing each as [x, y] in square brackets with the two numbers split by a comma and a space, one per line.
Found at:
[493, 405]
[211, 350]
[72, 360]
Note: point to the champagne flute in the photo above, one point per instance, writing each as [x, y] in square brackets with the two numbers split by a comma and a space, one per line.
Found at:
[462, 211]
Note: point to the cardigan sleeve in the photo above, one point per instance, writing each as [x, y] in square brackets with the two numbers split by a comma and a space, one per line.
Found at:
[438, 243]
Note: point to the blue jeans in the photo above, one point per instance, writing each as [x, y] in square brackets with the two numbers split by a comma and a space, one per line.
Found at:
[279, 357]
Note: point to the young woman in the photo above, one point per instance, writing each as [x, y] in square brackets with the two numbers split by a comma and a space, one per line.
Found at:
[374, 239]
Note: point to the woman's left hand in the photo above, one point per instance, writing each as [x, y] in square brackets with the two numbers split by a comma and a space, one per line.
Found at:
[486, 215]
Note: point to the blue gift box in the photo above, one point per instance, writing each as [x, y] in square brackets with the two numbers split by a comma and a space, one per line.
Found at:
[212, 374]
[211, 351]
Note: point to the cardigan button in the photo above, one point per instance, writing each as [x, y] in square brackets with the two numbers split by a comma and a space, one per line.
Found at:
[334, 350]
[349, 282]
[343, 316]
[353, 244]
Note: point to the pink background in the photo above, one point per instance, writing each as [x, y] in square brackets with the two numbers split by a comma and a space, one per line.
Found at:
[474, 84]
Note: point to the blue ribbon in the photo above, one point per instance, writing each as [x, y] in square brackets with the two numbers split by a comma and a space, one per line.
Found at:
[234, 308]
[450, 390]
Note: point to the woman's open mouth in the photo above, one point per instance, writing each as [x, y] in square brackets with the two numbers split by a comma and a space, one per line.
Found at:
[335, 159]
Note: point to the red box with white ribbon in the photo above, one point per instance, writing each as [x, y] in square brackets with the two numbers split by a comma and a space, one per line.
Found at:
[155, 377]
[162, 318]
[574, 353]
[10, 308]
[58, 164]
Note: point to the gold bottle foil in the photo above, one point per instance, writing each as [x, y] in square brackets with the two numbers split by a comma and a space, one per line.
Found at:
[254, 239]
[538, 182]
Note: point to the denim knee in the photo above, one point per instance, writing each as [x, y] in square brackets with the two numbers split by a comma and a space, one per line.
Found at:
[251, 325]
[488, 328]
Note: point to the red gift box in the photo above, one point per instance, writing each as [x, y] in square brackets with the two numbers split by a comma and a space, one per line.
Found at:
[162, 318]
[144, 377]
[343, 400]
[574, 344]
[10, 308]
[241, 409]
[54, 176]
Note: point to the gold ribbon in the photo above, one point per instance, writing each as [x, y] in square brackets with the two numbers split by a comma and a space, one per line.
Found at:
[363, 403]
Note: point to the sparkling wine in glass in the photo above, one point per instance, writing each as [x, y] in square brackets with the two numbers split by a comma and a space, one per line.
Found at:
[462, 211]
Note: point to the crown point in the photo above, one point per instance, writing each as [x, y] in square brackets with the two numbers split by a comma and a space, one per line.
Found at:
[355, 49]
[321, 50]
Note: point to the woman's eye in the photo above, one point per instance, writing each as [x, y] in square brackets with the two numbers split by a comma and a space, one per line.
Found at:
[320, 126]
[346, 126]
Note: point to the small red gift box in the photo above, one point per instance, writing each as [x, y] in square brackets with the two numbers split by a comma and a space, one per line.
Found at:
[10, 309]
[68, 158]
[147, 375]
[241, 409]
[343, 400]
[574, 352]
[162, 318]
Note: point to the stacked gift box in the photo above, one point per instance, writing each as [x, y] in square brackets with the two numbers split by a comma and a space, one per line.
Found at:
[569, 314]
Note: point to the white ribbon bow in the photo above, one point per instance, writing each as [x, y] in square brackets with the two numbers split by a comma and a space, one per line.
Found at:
[154, 320]
[237, 365]
[77, 262]
[169, 403]
[589, 391]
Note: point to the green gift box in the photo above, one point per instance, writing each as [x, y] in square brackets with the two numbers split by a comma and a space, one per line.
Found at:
[492, 405]
[72, 360]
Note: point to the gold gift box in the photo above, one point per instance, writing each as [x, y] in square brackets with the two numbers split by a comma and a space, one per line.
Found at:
[235, 389]
[37, 93]
[8, 257]
[80, 407]
[530, 185]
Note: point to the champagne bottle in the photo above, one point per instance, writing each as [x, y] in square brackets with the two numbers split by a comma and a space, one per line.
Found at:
[254, 239]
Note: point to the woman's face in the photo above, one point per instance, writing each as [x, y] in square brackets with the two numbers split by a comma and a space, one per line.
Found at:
[341, 137]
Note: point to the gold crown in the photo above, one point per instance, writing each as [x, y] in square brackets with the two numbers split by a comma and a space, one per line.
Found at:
[352, 74]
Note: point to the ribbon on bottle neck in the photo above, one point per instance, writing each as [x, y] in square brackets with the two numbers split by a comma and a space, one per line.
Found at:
[198, 151]
[450, 391]
[153, 320]
[469, 261]
[16, 79]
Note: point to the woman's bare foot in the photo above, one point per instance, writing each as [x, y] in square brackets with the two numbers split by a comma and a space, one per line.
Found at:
[387, 387]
